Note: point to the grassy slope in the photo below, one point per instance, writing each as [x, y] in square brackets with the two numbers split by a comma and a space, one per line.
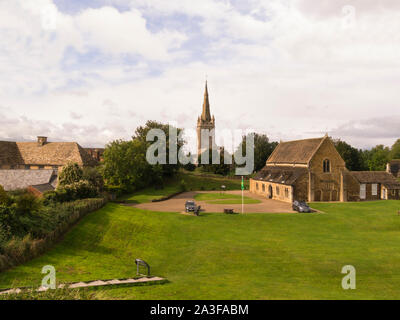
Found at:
[253, 256]
[224, 198]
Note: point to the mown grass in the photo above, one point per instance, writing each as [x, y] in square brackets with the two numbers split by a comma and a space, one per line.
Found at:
[192, 181]
[224, 198]
[217, 256]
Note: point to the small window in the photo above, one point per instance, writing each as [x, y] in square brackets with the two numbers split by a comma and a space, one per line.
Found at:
[374, 189]
[277, 190]
[286, 192]
[327, 165]
[256, 186]
[263, 187]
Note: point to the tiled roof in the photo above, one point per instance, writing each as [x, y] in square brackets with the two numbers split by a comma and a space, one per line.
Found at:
[51, 153]
[381, 177]
[282, 175]
[299, 151]
[21, 179]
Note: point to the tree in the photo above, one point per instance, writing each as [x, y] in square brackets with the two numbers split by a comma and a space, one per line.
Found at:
[352, 156]
[395, 151]
[216, 168]
[125, 164]
[94, 177]
[141, 134]
[378, 157]
[70, 173]
[262, 149]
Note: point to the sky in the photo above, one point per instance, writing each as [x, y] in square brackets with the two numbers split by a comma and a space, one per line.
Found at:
[92, 71]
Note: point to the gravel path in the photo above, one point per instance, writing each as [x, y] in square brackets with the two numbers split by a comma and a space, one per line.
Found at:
[177, 204]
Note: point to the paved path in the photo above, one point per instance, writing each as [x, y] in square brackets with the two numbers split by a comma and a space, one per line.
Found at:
[97, 283]
[177, 204]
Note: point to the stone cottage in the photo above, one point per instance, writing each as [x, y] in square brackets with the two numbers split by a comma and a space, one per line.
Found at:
[24, 164]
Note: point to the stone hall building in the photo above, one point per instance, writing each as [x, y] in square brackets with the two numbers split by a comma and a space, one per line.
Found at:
[312, 170]
[25, 164]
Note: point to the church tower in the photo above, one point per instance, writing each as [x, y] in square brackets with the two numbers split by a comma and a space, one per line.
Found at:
[205, 121]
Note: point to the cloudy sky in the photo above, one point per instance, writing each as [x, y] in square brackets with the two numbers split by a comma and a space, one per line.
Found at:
[92, 71]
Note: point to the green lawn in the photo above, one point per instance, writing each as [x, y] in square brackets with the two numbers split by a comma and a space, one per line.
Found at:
[192, 181]
[217, 256]
[224, 198]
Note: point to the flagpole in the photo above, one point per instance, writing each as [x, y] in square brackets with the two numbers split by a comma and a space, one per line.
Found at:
[242, 196]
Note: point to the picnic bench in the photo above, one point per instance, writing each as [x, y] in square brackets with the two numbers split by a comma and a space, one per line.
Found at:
[229, 211]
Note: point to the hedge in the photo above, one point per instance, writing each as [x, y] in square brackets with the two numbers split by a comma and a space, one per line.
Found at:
[17, 250]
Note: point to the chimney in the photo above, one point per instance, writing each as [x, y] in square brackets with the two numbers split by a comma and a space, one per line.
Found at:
[41, 141]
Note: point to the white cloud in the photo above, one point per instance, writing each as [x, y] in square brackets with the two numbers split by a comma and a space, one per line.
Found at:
[289, 68]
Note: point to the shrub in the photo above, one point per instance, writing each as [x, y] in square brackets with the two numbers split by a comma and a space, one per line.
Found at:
[183, 185]
[71, 173]
[94, 177]
[4, 197]
[27, 204]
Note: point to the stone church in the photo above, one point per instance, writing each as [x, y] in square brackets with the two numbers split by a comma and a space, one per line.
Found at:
[313, 170]
[205, 127]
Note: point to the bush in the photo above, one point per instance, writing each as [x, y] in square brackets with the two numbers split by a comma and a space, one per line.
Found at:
[183, 185]
[70, 174]
[51, 223]
[27, 204]
[4, 197]
[94, 177]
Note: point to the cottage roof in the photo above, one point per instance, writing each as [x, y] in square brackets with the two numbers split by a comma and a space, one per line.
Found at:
[298, 151]
[381, 177]
[51, 153]
[21, 179]
[282, 175]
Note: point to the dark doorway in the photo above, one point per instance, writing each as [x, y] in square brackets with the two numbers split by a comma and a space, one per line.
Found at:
[317, 195]
[270, 192]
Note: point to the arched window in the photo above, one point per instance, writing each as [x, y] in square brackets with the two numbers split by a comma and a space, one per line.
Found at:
[327, 165]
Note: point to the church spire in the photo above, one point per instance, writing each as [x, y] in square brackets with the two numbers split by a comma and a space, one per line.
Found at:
[206, 115]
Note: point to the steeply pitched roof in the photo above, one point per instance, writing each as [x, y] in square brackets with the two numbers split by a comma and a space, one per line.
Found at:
[21, 179]
[282, 175]
[298, 151]
[381, 177]
[206, 114]
[51, 153]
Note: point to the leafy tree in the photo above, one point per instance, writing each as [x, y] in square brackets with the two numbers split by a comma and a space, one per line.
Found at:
[70, 173]
[262, 149]
[395, 151]
[94, 177]
[141, 134]
[352, 156]
[378, 157]
[125, 164]
[221, 168]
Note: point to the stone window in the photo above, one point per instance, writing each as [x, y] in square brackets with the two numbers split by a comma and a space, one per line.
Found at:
[263, 187]
[327, 165]
[374, 189]
[286, 192]
[277, 190]
[256, 186]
